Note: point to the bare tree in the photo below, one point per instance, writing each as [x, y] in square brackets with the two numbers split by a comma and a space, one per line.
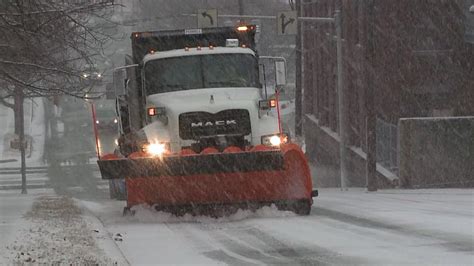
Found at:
[46, 47]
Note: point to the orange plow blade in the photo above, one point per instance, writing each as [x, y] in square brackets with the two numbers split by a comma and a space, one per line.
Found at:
[245, 179]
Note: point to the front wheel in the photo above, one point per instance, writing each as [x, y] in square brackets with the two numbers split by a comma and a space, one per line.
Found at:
[302, 207]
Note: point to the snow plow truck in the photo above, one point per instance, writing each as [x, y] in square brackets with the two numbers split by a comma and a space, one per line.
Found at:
[197, 132]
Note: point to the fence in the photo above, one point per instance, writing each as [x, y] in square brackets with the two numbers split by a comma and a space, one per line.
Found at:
[387, 145]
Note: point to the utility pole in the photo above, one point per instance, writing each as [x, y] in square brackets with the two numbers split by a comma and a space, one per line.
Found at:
[19, 98]
[299, 75]
[371, 167]
[341, 102]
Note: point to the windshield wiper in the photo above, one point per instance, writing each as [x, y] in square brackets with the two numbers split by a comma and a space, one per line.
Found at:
[171, 86]
[240, 83]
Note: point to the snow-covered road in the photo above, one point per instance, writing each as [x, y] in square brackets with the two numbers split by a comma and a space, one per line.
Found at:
[352, 227]
[433, 226]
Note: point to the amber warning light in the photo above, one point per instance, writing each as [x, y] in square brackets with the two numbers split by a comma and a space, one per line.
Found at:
[242, 28]
[151, 111]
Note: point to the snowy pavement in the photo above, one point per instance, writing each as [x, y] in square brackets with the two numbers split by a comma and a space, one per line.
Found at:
[388, 227]
[430, 227]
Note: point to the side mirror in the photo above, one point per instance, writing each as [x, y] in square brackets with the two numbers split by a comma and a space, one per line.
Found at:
[120, 79]
[280, 73]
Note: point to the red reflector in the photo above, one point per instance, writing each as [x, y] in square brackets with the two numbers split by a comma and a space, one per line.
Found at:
[273, 103]
[151, 111]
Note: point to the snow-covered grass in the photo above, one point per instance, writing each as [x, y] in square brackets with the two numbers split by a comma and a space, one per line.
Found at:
[57, 234]
[12, 208]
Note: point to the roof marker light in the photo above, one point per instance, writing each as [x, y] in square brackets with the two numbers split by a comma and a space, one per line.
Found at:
[198, 48]
[211, 47]
[242, 28]
[244, 46]
[151, 111]
[186, 49]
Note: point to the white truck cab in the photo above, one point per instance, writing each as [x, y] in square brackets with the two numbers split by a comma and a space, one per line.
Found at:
[205, 94]
[185, 95]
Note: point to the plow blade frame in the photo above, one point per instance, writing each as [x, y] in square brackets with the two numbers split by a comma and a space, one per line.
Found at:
[242, 178]
[191, 165]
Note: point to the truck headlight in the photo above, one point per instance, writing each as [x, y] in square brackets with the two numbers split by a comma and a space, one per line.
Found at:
[274, 140]
[156, 149]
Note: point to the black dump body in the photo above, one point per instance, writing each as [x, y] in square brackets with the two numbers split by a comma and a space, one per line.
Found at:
[145, 42]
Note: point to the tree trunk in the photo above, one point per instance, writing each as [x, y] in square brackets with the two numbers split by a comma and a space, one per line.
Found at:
[20, 126]
[17, 105]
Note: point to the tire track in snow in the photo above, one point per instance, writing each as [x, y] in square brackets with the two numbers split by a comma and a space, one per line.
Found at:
[251, 242]
[246, 249]
[301, 255]
[203, 240]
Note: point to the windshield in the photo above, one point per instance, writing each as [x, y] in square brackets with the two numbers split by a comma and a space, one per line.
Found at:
[201, 71]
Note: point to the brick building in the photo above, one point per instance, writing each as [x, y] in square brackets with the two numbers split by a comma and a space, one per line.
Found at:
[421, 65]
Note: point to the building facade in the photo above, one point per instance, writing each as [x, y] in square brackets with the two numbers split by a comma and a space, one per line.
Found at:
[412, 57]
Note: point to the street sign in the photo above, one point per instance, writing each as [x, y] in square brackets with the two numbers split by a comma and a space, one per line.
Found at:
[287, 23]
[206, 18]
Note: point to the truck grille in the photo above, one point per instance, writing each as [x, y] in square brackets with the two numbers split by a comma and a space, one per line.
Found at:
[195, 125]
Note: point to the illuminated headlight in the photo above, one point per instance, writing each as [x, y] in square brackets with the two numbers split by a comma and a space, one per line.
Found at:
[115, 121]
[156, 149]
[97, 121]
[274, 140]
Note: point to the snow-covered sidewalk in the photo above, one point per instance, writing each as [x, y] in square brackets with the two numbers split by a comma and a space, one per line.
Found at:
[447, 211]
[43, 228]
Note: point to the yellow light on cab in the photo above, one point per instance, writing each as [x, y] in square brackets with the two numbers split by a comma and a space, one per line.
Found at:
[242, 28]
